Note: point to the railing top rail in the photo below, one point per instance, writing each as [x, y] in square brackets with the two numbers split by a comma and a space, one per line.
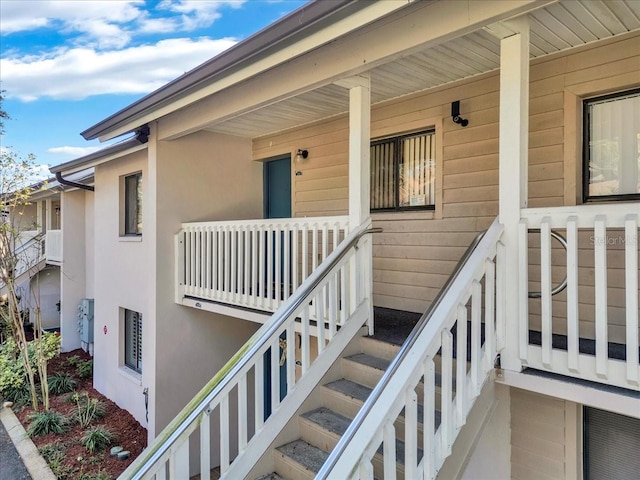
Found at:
[343, 220]
[615, 213]
[241, 359]
[437, 311]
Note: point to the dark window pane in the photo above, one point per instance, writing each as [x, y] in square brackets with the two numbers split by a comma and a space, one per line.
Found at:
[403, 172]
[133, 204]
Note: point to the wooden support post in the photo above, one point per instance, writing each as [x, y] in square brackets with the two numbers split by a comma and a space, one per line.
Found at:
[513, 159]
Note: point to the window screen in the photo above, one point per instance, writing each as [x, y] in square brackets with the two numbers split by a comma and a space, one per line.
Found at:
[611, 445]
[403, 172]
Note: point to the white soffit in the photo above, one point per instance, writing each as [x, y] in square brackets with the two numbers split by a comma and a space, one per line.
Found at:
[557, 27]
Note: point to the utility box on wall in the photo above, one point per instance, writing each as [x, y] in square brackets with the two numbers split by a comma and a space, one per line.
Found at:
[85, 323]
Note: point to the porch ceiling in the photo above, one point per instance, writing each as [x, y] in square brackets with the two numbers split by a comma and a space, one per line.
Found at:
[554, 28]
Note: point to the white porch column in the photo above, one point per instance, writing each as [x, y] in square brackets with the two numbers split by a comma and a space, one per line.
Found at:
[359, 144]
[359, 183]
[40, 216]
[513, 155]
[49, 215]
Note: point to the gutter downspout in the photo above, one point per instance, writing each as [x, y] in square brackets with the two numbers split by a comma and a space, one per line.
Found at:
[69, 183]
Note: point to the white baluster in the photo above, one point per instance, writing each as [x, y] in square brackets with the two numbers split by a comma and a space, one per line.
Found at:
[305, 339]
[602, 339]
[179, 461]
[429, 418]
[242, 413]
[631, 288]
[291, 357]
[225, 439]
[523, 288]
[259, 392]
[461, 366]
[545, 289]
[476, 338]
[489, 314]
[410, 433]
[389, 451]
[573, 318]
[446, 388]
[275, 373]
[205, 446]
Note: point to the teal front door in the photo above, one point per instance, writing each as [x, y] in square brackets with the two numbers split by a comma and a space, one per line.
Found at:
[277, 204]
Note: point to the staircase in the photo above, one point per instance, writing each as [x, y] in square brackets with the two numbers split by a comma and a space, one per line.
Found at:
[321, 428]
[362, 408]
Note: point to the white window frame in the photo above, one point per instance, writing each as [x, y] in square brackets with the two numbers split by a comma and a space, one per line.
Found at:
[125, 197]
[587, 150]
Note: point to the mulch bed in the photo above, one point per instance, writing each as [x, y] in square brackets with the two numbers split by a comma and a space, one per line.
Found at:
[78, 461]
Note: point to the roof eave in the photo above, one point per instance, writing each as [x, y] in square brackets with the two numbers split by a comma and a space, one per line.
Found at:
[297, 21]
[104, 155]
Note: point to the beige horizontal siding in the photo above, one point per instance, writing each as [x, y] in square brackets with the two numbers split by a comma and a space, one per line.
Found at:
[538, 436]
[418, 250]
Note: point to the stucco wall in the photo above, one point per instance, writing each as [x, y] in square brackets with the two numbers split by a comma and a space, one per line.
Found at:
[73, 279]
[200, 177]
[122, 280]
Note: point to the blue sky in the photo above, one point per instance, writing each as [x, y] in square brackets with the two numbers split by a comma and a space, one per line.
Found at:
[65, 65]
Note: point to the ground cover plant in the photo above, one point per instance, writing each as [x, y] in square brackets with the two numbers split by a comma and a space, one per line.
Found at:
[93, 424]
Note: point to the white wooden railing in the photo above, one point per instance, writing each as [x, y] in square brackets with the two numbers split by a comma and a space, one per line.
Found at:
[53, 246]
[472, 296]
[600, 305]
[252, 263]
[228, 414]
[29, 251]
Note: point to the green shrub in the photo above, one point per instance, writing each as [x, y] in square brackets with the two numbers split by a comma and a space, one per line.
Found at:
[85, 369]
[97, 438]
[61, 383]
[12, 372]
[87, 409]
[101, 475]
[45, 422]
[55, 455]
[20, 395]
[73, 361]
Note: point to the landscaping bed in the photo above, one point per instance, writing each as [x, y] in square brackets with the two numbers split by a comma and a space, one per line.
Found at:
[65, 452]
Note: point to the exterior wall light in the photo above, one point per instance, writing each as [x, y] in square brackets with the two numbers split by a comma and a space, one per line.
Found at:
[455, 114]
[301, 155]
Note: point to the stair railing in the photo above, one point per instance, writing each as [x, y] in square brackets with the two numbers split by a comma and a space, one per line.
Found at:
[428, 354]
[242, 423]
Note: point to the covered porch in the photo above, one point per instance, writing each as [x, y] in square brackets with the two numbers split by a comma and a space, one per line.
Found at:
[248, 268]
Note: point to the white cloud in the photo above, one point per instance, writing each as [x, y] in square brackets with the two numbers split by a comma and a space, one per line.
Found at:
[82, 72]
[73, 151]
[102, 22]
[109, 23]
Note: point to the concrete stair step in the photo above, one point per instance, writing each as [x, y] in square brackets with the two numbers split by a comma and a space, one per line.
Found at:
[298, 460]
[367, 370]
[271, 476]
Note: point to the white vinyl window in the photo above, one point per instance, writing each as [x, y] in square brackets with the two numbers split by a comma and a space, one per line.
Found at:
[133, 340]
[612, 147]
[403, 172]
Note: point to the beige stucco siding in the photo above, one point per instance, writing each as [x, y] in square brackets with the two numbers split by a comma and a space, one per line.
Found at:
[418, 250]
[122, 281]
[203, 176]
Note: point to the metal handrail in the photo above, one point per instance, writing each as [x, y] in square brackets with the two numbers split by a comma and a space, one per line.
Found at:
[395, 363]
[251, 348]
[563, 284]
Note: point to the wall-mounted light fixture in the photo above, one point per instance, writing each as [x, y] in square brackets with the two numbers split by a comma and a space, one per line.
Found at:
[455, 114]
[301, 155]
